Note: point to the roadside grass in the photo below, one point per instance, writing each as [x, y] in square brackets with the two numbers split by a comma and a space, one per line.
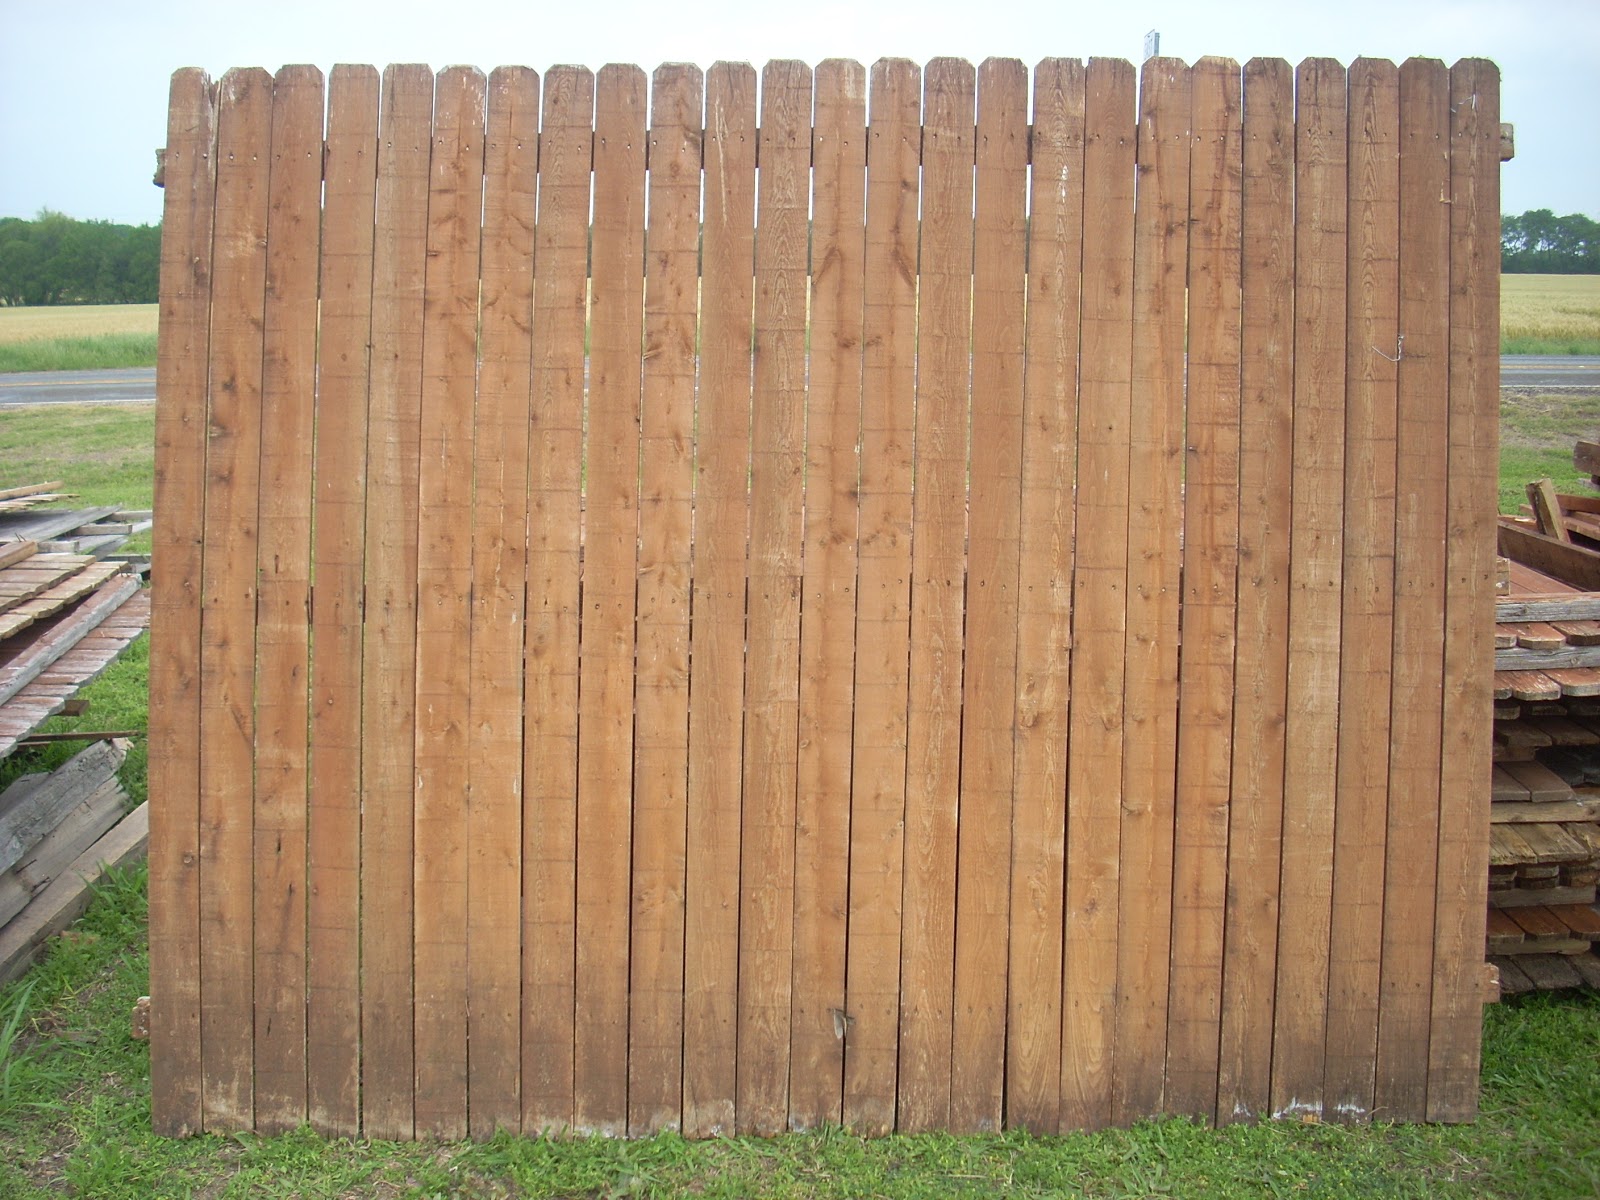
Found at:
[77, 337]
[104, 352]
[1550, 314]
[74, 1085]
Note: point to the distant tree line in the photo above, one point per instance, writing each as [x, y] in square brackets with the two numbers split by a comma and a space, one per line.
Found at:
[55, 259]
[1539, 242]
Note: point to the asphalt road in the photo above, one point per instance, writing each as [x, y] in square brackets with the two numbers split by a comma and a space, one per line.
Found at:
[131, 385]
[1552, 372]
[138, 385]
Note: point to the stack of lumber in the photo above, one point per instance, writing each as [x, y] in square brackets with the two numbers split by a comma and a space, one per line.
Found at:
[64, 618]
[59, 833]
[1560, 536]
[1544, 841]
[96, 531]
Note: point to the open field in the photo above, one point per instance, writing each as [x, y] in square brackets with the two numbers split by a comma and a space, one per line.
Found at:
[1539, 314]
[77, 337]
[75, 320]
[1550, 314]
[74, 1090]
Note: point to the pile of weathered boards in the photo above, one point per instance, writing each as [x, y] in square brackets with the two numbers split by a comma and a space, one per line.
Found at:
[70, 604]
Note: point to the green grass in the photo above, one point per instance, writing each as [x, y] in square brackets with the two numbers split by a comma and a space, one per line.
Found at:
[74, 1086]
[104, 352]
[1536, 436]
[76, 1121]
[1529, 345]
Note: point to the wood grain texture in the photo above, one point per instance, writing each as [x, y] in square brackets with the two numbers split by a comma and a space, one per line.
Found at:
[550, 635]
[444, 615]
[772, 638]
[388, 649]
[1411, 855]
[1099, 601]
[1454, 1046]
[182, 352]
[1367, 619]
[499, 566]
[716, 690]
[1155, 554]
[283, 611]
[1044, 599]
[661, 736]
[883, 614]
[1315, 572]
[933, 727]
[333, 936]
[606, 633]
[828, 600]
[989, 681]
[1255, 811]
[1210, 592]
[889, 615]
[228, 605]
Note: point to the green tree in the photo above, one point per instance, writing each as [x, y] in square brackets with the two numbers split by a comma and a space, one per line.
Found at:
[55, 259]
[1540, 242]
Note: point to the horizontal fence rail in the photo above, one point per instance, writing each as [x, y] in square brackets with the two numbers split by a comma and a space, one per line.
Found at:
[913, 598]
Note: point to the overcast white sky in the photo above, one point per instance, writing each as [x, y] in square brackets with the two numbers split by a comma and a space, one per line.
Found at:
[83, 83]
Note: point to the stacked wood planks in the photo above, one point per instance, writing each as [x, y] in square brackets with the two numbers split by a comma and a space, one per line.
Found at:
[58, 835]
[1544, 845]
[64, 617]
[98, 531]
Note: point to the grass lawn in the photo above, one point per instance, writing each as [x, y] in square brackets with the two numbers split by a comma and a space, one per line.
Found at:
[74, 1087]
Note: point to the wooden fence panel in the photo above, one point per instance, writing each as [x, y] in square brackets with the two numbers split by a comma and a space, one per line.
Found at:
[499, 565]
[606, 621]
[283, 573]
[333, 1017]
[666, 513]
[938, 568]
[1453, 1044]
[878, 784]
[1367, 619]
[1421, 496]
[1044, 599]
[989, 695]
[182, 352]
[828, 602]
[1099, 601]
[670, 619]
[1210, 592]
[772, 600]
[550, 636]
[388, 648]
[1260, 698]
[1316, 565]
[444, 613]
[716, 632]
[1155, 553]
[228, 604]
